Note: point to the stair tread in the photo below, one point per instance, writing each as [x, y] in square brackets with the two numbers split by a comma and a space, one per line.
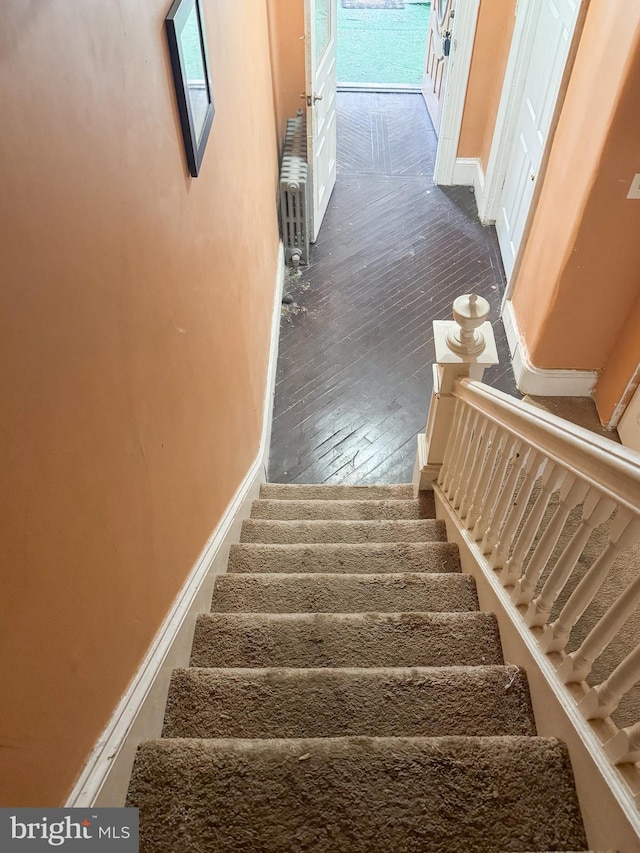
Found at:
[346, 639]
[294, 491]
[356, 794]
[424, 530]
[340, 593]
[358, 558]
[280, 702]
[350, 510]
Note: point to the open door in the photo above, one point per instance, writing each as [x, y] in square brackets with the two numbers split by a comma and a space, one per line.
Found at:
[321, 54]
[435, 72]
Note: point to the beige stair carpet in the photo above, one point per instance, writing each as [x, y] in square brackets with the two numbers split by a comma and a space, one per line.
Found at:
[346, 694]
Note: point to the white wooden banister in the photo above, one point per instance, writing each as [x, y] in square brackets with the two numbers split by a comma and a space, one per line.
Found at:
[595, 511]
[577, 666]
[524, 491]
[612, 467]
[625, 532]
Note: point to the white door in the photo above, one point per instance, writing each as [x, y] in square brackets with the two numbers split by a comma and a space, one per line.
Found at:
[629, 426]
[553, 25]
[320, 42]
[435, 69]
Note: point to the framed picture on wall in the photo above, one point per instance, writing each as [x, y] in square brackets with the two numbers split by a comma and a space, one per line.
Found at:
[190, 65]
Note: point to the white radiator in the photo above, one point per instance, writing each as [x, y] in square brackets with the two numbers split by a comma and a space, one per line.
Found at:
[293, 193]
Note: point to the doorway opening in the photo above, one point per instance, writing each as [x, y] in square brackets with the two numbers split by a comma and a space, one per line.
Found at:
[382, 44]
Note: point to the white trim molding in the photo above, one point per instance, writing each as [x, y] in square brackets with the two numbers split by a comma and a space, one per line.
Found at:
[464, 32]
[468, 172]
[538, 381]
[139, 715]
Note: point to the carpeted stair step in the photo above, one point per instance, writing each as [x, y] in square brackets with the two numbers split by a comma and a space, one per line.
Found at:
[346, 640]
[303, 703]
[374, 558]
[356, 795]
[338, 510]
[292, 491]
[341, 593]
[286, 532]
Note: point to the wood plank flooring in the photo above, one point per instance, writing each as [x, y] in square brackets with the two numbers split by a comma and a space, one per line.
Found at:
[356, 348]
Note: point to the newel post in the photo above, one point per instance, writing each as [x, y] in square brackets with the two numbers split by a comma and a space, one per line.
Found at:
[465, 346]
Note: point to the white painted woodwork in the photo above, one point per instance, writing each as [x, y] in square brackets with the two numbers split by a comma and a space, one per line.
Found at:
[536, 380]
[608, 795]
[499, 451]
[595, 511]
[625, 746]
[321, 55]
[603, 699]
[512, 569]
[498, 511]
[435, 72]
[486, 468]
[577, 666]
[518, 505]
[625, 532]
[447, 166]
[552, 23]
[629, 426]
[464, 347]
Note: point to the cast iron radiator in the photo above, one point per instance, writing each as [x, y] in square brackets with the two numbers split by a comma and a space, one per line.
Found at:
[293, 193]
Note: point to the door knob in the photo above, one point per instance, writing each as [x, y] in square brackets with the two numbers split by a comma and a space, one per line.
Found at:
[310, 99]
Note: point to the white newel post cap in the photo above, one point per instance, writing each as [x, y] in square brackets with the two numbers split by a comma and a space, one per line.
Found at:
[469, 312]
[467, 339]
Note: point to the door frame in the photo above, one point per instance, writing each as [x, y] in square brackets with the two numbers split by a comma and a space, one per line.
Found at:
[504, 132]
[458, 67]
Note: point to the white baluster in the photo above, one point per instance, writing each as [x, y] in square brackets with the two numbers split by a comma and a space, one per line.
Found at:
[595, 510]
[445, 471]
[492, 519]
[465, 471]
[624, 747]
[479, 454]
[504, 499]
[497, 474]
[572, 493]
[625, 532]
[480, 489]
[551, 480]
[577, 665]
[519, 503]
[460, 453]
[601, 701]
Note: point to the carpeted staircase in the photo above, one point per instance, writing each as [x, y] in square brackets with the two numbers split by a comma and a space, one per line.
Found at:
[346, 694]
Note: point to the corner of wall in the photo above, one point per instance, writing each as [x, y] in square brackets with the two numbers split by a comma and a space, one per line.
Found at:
[468, 172]
[538, 381]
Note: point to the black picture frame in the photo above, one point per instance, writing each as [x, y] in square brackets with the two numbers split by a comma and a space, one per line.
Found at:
[187, 39]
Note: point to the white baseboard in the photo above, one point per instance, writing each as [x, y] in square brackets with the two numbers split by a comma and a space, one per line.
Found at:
[468, 172]
[536, 380]
[140, 713]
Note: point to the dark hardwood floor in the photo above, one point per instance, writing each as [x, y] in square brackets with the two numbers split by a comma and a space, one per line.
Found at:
[356, 347]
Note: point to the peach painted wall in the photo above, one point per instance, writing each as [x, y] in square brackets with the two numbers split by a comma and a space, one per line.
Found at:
[135, 309]
[496, 20]
[620, 367]
[286, 21]
[580, 274]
